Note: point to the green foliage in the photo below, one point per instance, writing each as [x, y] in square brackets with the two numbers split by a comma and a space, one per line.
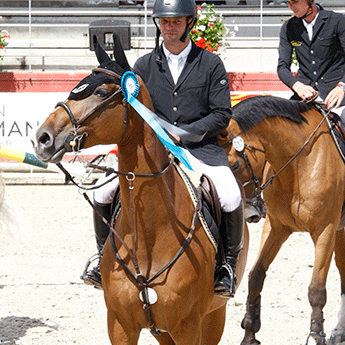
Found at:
[4, 36]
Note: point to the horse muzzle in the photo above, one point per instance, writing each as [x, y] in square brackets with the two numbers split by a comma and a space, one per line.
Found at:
[50, 148]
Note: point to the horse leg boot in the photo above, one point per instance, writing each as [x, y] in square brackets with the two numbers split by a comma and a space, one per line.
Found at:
[93, 277]
[232, 229]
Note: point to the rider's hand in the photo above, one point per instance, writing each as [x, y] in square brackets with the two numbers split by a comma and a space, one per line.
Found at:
[176, 137]
[334, 98]
[304, 91]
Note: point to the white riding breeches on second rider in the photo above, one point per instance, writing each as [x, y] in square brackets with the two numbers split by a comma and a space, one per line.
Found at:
[340, 110]
[226, 185]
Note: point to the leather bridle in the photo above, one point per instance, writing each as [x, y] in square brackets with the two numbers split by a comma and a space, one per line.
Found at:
[78, 140]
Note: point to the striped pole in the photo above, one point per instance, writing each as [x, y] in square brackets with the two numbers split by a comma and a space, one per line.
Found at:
[21, 156]
[29, 158]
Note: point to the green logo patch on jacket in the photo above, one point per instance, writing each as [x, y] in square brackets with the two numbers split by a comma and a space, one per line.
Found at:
[296, 43]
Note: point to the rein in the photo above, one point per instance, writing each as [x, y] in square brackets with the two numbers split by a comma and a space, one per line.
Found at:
[262, 187]
[138, 278]
[255, 180]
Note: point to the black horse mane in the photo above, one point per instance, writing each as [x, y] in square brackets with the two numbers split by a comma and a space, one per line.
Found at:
[253, 110]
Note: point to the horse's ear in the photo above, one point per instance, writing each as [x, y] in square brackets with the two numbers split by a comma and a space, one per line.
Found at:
[119, 53]
[101, 55]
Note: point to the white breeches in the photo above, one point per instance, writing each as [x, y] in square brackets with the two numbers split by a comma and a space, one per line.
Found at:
[226, 185]
[340, 111]
[228, 191]
[105, 194]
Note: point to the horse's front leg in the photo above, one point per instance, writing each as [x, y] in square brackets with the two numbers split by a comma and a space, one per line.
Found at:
[272, 240]
[338, 333]
[117, 332]
[324, 246]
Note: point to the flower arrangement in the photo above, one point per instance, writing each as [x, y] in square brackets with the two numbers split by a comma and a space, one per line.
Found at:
[4, 35]
[209, 31]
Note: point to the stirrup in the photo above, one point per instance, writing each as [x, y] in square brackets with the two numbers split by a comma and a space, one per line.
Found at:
[90, 277]
[225, 284]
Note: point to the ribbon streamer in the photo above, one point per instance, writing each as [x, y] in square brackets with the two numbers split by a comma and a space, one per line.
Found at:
[130, 79]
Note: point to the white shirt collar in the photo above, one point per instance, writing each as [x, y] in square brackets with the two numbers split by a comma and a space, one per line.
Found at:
[309, 26]
[182, 57]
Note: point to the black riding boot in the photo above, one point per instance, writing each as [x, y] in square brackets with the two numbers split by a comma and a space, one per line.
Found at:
[232, 236]
[93, 277]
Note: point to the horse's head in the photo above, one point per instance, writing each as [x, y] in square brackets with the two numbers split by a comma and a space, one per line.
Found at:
[81, 120]
[247, 162]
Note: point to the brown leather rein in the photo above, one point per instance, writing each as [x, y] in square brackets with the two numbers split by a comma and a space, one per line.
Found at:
[260, 187]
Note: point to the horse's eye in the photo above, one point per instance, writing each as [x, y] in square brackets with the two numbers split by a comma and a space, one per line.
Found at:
[101, 92]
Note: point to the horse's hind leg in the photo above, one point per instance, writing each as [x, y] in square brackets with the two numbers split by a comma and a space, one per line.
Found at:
[270, 245]
[338, 333]
[324, 245]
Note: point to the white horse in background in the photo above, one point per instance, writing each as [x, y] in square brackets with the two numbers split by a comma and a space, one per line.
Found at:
[9, 218]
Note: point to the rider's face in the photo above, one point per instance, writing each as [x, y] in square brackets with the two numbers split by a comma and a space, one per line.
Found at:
[298, 7]
[172, 29]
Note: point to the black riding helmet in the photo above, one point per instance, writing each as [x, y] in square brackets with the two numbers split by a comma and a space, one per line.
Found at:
[174, 8]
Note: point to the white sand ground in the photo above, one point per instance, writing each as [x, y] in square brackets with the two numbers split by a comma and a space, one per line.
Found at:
[43, 300]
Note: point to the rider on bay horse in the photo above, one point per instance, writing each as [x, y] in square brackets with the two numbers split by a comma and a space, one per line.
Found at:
[189, 89]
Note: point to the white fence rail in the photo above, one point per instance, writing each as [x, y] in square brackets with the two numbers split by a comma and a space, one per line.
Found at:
[41, 37]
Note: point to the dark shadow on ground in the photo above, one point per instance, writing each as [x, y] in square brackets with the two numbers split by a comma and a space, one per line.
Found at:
[12, 328]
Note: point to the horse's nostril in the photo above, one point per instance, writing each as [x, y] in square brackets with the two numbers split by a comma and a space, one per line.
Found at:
[44, 138]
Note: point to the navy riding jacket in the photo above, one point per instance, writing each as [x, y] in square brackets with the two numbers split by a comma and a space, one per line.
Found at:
[321, 60]
[199, 103]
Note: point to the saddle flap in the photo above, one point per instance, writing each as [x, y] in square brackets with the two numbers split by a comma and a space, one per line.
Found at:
[210, 195]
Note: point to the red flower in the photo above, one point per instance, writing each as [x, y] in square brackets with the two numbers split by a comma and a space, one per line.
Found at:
[210, 25]
[201, 43]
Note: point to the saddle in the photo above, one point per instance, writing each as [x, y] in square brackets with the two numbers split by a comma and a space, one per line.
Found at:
[336, 127]
[210, 196]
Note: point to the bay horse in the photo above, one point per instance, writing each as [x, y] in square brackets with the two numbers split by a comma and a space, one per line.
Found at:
[157, 216]
[304, 191]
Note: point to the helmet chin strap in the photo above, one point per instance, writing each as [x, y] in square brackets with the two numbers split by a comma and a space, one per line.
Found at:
[188, 29]
[183, 37]
[310, 10]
